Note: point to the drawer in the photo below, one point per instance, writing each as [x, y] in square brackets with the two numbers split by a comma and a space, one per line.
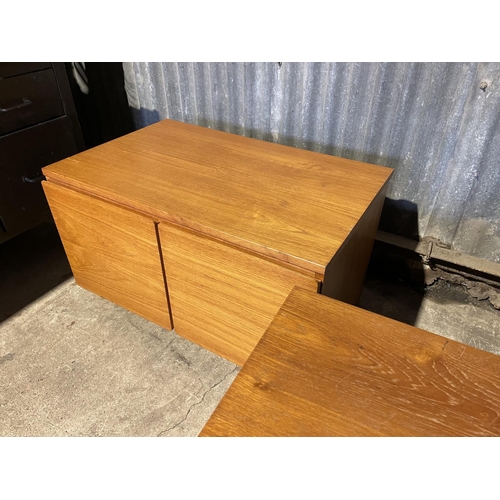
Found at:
[28, 99]
[23, 154]
[20, 68]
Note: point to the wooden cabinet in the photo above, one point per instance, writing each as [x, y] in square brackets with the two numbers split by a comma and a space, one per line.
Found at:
[238, 222]
[38, 126]
[326, 368]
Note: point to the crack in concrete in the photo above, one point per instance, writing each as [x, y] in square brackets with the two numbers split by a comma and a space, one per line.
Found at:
[197, 403]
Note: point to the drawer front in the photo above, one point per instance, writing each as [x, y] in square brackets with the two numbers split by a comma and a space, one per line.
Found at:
[112, 251]
[28, 99]
[20, 68]
[23, 154]
[223, 298]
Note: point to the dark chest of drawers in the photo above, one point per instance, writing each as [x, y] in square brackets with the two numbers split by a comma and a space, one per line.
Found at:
[38, 126]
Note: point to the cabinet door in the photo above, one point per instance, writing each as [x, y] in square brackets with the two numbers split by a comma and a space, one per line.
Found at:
[112, 251]
[223, 298]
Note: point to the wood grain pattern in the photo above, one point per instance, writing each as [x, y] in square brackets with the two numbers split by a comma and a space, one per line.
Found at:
[112, 252]
[294, 205]
[326, 368]
[223, 298]
[345, 273]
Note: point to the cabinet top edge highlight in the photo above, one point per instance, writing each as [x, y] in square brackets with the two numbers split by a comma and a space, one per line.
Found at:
[297, 205]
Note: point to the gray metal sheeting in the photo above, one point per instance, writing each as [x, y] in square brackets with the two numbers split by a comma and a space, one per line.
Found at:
[431, 122]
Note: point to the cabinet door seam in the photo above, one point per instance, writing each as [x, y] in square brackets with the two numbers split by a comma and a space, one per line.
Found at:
[164, 274]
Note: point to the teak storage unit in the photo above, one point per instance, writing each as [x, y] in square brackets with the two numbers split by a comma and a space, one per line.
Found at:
[326, 368]
[208, 232]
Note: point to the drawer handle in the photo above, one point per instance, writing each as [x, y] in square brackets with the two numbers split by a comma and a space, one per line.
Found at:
[26, 102]
[40, 178]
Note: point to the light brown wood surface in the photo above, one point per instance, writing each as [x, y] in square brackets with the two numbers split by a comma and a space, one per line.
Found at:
[223, 298]
[294, 205]
[113, 252]
[326, 368]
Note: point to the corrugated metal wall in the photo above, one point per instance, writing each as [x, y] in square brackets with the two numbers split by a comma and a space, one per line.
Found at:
[437, 124]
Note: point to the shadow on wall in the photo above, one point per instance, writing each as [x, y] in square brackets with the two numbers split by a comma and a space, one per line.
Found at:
[394, 284]
[400, 217]
[144, 117]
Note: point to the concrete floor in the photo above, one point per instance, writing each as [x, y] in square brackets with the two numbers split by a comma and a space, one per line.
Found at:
[74, 364]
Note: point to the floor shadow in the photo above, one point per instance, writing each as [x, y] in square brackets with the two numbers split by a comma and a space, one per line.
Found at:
[31, 264]
[395, 282]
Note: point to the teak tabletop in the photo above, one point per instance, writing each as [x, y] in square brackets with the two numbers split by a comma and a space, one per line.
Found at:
[326, 368]
[294, 205]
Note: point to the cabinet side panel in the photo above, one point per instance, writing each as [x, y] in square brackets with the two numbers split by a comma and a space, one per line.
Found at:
[113, 252]
[223, 298]
[345, 273]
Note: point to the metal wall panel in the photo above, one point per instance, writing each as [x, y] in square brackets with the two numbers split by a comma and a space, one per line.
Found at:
[436, 124]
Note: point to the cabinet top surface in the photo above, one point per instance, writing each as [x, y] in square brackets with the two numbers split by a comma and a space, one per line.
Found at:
[296, 205]
[326, 368]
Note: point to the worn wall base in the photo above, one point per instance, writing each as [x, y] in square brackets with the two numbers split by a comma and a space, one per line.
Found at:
[476, 289]
[422, 263]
